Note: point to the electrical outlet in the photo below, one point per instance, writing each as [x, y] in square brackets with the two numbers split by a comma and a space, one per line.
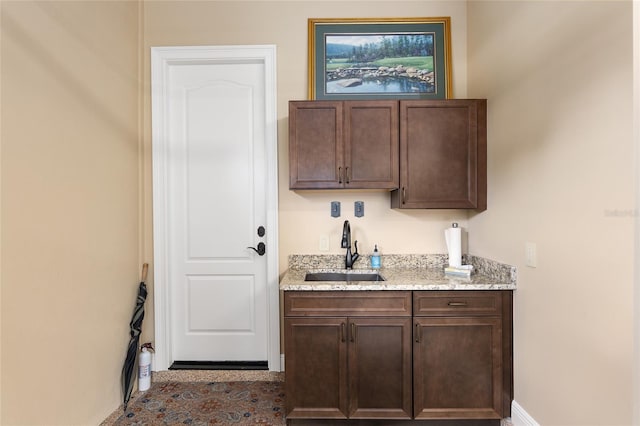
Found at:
[530, 255]
[324, 243]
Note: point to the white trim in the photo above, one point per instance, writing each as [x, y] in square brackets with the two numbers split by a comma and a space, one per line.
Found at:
[161, 59]
[519, 417]
[159, 75]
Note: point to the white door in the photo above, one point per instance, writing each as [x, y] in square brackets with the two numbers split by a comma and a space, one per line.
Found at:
[215, 130]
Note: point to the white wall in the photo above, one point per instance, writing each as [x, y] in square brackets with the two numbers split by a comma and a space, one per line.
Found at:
[558, 79]
[636, 138]
[69, 212]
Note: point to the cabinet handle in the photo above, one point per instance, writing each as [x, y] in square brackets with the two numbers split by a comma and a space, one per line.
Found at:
[403, 195]
[347, 175]
[353, 332]
[339, 174]
[342, 326]
[417, 333]
[457, 303]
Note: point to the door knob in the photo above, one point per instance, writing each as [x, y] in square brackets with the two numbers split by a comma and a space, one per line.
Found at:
[260, 250]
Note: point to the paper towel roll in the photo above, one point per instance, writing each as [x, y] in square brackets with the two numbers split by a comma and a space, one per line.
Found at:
[453, 237]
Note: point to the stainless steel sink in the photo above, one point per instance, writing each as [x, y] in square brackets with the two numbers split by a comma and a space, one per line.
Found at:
[343, 276]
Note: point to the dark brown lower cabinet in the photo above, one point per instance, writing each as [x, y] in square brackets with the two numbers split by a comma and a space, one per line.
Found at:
[379, 364]
[457, 368]
[462, 356]
[348, 355]
[398, 357]
[357, 368]
[316, 368]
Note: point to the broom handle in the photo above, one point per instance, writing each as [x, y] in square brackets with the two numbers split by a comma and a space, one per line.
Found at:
[145, 269]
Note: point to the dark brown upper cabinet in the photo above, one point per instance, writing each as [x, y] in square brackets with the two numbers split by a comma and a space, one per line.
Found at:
[343, 145]
[443, 155]
[432, 154]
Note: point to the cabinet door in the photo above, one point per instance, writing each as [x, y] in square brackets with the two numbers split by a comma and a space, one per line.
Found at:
[316, 368]
[442, 154]
[457, 368]
[316, 145]
[371, 144]
[380, 381]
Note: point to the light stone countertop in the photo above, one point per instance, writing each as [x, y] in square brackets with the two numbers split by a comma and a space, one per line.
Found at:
[401, 272]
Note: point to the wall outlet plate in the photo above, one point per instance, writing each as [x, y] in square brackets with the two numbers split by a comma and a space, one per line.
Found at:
[324, 243]
[359, 208]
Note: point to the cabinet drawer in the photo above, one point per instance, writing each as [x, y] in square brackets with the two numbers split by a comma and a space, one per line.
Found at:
[457, 303]
[347, 303]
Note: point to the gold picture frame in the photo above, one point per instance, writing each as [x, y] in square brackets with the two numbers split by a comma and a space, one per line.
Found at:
[349, 58]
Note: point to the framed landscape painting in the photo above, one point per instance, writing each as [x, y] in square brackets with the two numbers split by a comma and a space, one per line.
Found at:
[386, 58]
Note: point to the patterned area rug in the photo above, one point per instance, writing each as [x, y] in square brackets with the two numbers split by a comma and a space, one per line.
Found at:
[214, 403]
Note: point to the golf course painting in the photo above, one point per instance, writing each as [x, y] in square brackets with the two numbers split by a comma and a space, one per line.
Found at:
[379, 63]
[366, 59]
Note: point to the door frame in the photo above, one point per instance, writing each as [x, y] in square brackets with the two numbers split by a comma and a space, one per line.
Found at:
[162, 59]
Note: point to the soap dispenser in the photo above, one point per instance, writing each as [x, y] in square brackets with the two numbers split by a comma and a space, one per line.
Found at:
[375, 258]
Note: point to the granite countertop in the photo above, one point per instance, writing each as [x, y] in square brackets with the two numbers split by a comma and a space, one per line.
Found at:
[401, 272]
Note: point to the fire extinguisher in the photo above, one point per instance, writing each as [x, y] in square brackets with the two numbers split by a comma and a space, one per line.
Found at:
[144, 367]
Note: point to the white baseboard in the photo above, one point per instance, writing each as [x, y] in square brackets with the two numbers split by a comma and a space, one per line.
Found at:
[281, 362]
[519, 417]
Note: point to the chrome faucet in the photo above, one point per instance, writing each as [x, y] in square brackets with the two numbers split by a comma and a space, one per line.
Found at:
[350, 258]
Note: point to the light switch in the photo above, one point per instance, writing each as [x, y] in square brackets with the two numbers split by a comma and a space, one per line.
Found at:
[335, 209]
[530, 255]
